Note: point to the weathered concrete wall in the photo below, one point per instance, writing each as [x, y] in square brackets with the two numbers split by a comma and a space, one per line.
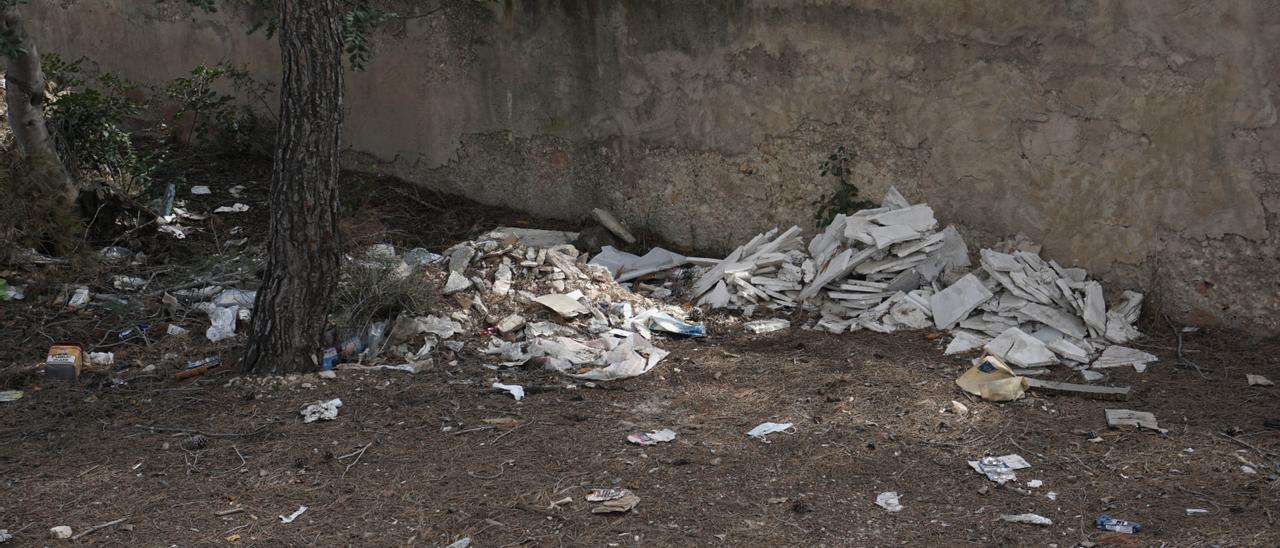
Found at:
[1135, 138]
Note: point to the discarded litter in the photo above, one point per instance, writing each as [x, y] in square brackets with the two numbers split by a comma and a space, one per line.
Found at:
[201, 190]
[1197, 511]
[289, 518]
[1035, 484]
[992, 380]
[652, 438]
[237, 208]
[601, 495]
[1030, 519]
[661, 321]
[464, 542]
[175, 330]
[222, 323]
[60, 532]
[10, 395]
[195, 368]
[5, 536]
[102, 358]
[766, 326]
[764, 429]
[1108, 523]
[78, 299]
[516, 390]
[889, 501]
[1000, 469]
[64, 361]
[1258, 380]
[612, 500]
[321, 410]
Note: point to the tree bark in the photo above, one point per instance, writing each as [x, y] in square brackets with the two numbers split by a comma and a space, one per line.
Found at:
[49, 188]
[291, 310]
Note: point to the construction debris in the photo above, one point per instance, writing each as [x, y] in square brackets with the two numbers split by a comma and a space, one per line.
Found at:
[1257, 380]
[1125, 417]
[889, 501]
[1029, 519]
[615, 226]
[1083, 390]
[890, 268]
[1000, 469]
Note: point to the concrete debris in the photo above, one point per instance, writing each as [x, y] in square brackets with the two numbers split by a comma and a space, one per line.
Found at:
[1018, 348]
[1120, 356]
[1029, 519]
[612, 223]
[1125, 417]
[1083, 390]
[890, 268]
[1258, 380]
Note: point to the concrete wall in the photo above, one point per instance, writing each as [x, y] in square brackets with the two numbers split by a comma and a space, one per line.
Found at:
[1135, 138]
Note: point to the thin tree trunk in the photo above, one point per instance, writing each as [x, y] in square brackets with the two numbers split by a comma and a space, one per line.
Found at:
[49, 188]
[302, 262]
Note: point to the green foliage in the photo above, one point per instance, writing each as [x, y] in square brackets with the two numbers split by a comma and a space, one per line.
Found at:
[86, 115]
[360, 19]
[844, 199]
[218, 118]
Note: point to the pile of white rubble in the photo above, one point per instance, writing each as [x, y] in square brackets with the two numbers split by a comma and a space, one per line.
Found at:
[890, 268]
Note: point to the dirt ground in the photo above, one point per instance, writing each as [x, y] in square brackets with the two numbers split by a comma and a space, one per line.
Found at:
[431, 458]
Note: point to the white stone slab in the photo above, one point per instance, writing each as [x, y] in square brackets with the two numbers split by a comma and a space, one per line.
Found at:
[1120, 356]
[955, 303]
[1016, 347]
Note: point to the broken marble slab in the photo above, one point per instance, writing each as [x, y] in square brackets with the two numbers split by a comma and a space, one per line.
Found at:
[656, 260]
[1069, 350]
[456, 282]
[955, 303]
[563, 305]
[964, 340]
[460, 258]
[918, 218]
[1120, 356]
[1016, 347]
[1055, 318]
[894, 199]
[885, 236]
[1095, 315]
[1126, 417]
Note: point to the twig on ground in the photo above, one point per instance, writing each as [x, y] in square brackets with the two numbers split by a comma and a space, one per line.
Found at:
[499, 474]
[99, 526]
[502, 435]
[357, 454]
[1182, 358]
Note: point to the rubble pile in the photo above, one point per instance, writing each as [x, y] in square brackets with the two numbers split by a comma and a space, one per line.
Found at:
[769, 270]
[503, 281]
[890, 268]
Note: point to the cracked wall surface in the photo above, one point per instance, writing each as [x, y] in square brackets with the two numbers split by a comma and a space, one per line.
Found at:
[1137, 139]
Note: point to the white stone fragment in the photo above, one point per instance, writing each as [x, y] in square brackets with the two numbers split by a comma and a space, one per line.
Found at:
[955, 303]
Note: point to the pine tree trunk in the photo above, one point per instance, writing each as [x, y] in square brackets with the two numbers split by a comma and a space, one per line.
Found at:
[302, 264]
[48, 188]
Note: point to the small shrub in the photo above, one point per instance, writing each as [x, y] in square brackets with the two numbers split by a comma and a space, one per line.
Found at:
[220, 119]
[373, 289]
[844, 199]
[86, 116]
